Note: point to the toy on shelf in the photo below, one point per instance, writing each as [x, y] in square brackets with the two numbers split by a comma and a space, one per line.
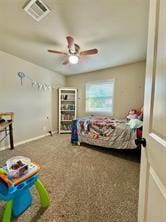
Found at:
[17, 176]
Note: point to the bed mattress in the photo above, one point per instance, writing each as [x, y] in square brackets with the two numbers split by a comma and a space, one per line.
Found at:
[104, 131]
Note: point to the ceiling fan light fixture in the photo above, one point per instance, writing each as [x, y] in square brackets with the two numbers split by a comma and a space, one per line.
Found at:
[73, 59]
[74, 54]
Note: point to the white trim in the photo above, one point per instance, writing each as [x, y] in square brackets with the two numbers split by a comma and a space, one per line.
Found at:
[67, 89]
[158, 182]
[158, 139]
[4, 148]
[27, 141]
[30, 140]
[65, 131]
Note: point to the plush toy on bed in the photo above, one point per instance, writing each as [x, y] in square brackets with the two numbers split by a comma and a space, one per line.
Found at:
[135, 121]
[140, 114]
[134, 114]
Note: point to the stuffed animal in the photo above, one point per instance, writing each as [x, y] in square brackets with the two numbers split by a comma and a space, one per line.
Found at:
[135, 114]
[132, 114]
[140, 114]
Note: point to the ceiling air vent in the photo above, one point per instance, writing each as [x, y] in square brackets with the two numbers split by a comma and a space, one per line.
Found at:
[37, 9]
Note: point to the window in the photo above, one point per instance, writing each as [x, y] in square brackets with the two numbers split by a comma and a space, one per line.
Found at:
[99, 96]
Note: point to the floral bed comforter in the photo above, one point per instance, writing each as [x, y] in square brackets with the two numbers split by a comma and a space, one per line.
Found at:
[104, 131]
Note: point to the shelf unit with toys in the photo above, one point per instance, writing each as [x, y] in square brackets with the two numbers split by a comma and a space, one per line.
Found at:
[67, 108]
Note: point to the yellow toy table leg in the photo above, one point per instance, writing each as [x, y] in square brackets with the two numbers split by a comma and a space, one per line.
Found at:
[8, 211]
[44, 197]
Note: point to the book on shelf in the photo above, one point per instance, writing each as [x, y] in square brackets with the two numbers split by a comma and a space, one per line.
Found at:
[67, 116]
[66, 127]
[68, 97]
[68, 107]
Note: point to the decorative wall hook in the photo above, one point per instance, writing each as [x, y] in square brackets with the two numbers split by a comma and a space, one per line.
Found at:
[35, 84]
[21, 76]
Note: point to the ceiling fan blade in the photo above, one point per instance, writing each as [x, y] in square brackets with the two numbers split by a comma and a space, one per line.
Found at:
[58, 52]
[89, 52]
[65, 62]
[70, 42]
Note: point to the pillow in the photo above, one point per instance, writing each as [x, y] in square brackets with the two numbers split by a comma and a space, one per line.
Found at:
[135, 123]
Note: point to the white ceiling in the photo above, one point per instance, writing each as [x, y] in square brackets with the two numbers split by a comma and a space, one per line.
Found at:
[117, 28]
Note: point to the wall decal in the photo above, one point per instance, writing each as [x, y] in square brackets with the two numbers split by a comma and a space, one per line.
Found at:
[35, 84]
[21, 75]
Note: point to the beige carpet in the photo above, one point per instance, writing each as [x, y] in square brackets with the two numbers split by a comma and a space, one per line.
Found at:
[85, 183]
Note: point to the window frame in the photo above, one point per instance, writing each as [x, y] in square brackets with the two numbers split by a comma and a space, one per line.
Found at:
[113, 96]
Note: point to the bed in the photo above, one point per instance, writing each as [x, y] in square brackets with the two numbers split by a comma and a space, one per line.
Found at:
[105, 132]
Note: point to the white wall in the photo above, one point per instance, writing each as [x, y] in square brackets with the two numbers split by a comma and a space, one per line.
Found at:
[129, 87]
[30, 105]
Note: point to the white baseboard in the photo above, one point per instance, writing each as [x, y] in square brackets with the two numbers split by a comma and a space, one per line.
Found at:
[54, 132]
[4, 148]
[27, 141]
[31, 139]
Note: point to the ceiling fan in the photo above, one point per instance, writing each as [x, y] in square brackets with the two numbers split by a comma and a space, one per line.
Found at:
[74, 53]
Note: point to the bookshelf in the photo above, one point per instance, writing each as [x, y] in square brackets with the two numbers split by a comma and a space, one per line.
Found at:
[67, 108]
